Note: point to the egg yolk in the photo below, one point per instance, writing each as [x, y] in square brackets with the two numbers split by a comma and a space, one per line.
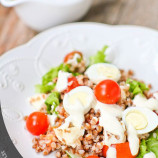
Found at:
[80, 96]
[137, 119]
[107, 71]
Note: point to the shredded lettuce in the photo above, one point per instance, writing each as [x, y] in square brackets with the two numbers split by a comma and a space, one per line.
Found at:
[149, 145]
[100, 57]
[152, 143]
[52, 102]
[53, 73]
[46, 87]
[136, 87]
[143, 149]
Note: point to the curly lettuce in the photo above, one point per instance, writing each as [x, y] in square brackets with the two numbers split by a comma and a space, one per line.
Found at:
[149, 145]
[99, 57]
[136, 87]
[47, 85]
[52, 102]
[143, 149]
[53, 73]
[39, 88]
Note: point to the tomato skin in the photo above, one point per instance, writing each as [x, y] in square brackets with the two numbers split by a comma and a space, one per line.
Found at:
[37, 123]
[104, 150]
[70, 55]
[72, 83]
[107, 91]
[92, 156]
[122, 150]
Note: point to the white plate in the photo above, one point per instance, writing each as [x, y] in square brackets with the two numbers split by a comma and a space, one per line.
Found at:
[21, 68]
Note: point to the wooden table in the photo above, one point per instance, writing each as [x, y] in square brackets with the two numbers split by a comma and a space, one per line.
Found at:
[14, 32]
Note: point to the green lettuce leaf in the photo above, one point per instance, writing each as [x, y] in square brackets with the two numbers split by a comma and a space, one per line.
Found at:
[153, 134]
[45, 87]
[100, 57]
[52, 100]
[149, 145]
[136, 87]
[152, 146]
[53, 73]
[152, 143]
[143, 149]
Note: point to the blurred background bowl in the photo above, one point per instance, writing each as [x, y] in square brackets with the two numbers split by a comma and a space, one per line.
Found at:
[43, 14]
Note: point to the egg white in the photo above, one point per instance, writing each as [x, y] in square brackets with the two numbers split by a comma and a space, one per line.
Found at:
[101, 71]
[79, 103]
[151, 117]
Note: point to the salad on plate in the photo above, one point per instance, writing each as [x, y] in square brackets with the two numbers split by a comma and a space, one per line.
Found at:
[93, 109]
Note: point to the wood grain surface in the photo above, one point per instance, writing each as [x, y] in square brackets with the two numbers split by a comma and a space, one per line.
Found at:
[14, 32]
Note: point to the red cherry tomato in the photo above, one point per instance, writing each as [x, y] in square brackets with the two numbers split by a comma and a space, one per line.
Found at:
[107, 91]
[92, 156]
[37, 123]
[122, 150]
[70, 56]
[72, 83]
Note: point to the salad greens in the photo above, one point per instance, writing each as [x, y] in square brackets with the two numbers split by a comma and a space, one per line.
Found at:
[149, 145]
[53, 73]
[46, 87]
[100, 57]
[39, 88]
[136, 87]
[52, 102]
[143, 149]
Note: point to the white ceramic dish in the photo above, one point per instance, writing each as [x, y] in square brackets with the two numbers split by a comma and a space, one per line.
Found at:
[21, 68]
[43, 14]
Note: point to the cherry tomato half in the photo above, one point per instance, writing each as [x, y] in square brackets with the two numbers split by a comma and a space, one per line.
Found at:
[72, 83]
[122, 150]
[37, 123]
[92, 156]
[70, 55]
[107, 91]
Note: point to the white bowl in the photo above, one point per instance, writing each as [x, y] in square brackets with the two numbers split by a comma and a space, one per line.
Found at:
[43, 14]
